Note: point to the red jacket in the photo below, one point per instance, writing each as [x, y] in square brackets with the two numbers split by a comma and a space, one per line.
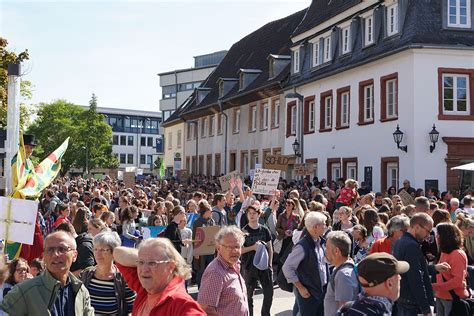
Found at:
[174, 301]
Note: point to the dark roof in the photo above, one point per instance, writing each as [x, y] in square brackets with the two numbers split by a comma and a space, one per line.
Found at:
[422, 25]
[322, 10]
[251, 52]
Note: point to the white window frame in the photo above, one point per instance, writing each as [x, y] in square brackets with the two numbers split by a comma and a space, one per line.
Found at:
[265, 116]
[276, 113]
[392, 19]
[351, 170]
[203, 127]
[391, 97]
[311, 116]
[369, 103]
[328, 112]
[212, 120]
[293, 120]
[170, 140]
[316, 57]
[392, 174]
[345, 101]
[457, 7]
[369, 30]
[455, 94]
[346, 39]
[245, 163]
[237, 121]
[335, 171]
[178, 139]
[327, 48]
[253, 118]
[296, 60]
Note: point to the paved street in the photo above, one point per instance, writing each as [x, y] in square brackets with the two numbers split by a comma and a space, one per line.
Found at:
[282, 301]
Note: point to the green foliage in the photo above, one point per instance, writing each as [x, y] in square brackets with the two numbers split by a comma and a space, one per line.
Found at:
[6, 58]
[90, 135]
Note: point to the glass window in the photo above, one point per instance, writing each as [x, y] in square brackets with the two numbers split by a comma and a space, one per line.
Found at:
[311, 116]
[115, 140]
[236, 121]
[143, 141]
[296, 61]
[346, 39]
[336, 171]
[276, 114]
[368, 103]
[129, 158]
[123, 140]
[391, 95]
[327, 48]
[178, 139]
[345, 108]
[142, 159]
[351, 170]
[455, 94]
[150, 141]
[392, 175]
[315, 54]
[203, 127]
[459, 13]
[149, 159]
[130, 140]
[170, 140]
[253, 118]
[369, 30]
[328, 112]
[293, 120]
[212, 121]
[122, 159]
[265, 116]
[392, 19]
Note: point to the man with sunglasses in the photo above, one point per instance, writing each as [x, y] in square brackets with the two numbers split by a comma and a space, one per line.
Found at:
[55, 292]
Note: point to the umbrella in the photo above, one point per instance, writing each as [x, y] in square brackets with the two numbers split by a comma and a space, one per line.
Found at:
[468, 167]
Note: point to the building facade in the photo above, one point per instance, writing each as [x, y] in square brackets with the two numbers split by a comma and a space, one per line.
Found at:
[366, 68]
[177, 86]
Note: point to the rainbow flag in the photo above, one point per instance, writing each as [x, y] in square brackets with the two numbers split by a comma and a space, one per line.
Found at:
[43, 174]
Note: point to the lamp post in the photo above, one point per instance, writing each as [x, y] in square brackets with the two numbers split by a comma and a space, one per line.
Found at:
[295, 95]
[434, 135]
[195, 123]
[398, 137]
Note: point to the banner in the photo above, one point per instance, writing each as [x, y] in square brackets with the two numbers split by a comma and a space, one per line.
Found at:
[225, 180]
[265, 181]
[277, 162]
[152, 231]
[43, 175]
[204, 243]
[305, 169]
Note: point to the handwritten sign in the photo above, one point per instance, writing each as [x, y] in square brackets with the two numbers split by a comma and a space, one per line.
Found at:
[265, 181]
[225, 180]
[129, 179]
[303, 169]
[204, 241]
[17, 219]
[277, 162]
[406, 197]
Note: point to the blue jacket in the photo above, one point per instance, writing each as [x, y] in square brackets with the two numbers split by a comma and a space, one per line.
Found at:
[416, 292]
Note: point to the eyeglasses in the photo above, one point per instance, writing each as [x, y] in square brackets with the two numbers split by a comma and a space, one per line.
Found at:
[60, 249]
[102, 250]
[232, 247]
[21, 270]
[426, 229]
[152, 263]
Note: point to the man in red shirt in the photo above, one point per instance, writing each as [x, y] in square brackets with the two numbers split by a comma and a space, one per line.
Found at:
[396, 226]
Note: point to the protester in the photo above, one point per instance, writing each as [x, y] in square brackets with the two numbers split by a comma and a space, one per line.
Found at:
[172, 230]
[223, 290]
[342, 286]
[95, 226]
[287, 221]
[306, 268]
[257, 244]
[130, 235]
[110, 294]
[379, 276]
[36, 267]
[18, 271]
[396, 227]
[156, 272]
[56, 291]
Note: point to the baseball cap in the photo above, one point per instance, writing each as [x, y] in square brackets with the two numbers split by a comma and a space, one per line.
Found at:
[378, 267]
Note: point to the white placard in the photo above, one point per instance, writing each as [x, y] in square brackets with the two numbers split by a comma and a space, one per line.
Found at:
[265, 181]
[20, 227]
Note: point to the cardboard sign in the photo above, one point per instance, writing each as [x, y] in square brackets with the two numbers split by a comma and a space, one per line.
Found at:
[406, 197]
[277, 162]
[305, 169]
[204, 243]
[152, 231]
[17, 219]
[129, 179]
[225, 180]
[265, 181]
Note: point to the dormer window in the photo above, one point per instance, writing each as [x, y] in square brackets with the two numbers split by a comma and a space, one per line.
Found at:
[225, 85]
[392, 19]
[221, 89]
[276, 63]
[247, 76]
[241, 81]
[316, 57]
[296, 60]
[327, 48]
[346, 39]
[459, 13]
[369, 30]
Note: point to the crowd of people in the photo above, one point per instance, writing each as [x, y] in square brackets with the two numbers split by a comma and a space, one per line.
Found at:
[339, 248]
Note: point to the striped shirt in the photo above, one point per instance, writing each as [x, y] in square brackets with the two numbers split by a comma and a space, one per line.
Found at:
[104, 298]
[223, 287]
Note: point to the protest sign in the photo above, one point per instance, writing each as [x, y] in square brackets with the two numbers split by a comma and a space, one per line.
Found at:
[182, 174]
[17, 219]
[204, 243]
[129, 179]
[277, 162]
[265, 181]
[152, 231]
[406, 197]
[225, 180]
[305, 169]
[191, 218]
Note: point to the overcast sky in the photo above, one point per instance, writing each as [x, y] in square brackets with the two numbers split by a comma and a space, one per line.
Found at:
[115, 49]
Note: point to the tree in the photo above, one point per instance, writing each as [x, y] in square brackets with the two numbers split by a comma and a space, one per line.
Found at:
[90, 136]
[25, 85]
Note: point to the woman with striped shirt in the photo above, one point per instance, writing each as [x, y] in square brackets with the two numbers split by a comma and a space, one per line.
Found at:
[108, 291]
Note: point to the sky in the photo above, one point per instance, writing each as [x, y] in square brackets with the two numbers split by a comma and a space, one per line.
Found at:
[115, 49]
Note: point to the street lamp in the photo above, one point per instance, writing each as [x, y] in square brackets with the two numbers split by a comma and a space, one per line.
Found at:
[195, 123]
[300, 147]
[398, 137]
[296, 148]
[434, 135]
